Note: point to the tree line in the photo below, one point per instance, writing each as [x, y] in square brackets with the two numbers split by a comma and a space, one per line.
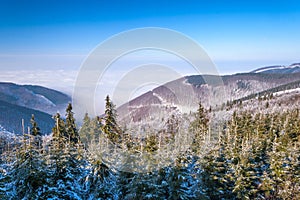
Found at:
[250, 156]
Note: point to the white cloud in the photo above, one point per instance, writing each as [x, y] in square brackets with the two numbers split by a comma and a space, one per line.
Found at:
[62, 80]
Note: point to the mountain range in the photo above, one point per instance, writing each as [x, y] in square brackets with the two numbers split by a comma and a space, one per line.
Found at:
[183, 95]
[176, 97]
[280, 69]
[19, 102]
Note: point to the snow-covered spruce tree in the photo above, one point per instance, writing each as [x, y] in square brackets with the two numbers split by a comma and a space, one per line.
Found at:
[71, 130]
[66, 163]
[260, 143]
[91, 130]
[246, 179]
[59, 129]
[36, 133]
[6, 164]
[292, 127]
[4, 179]
[151, 143]
[293, 179]
[245, 176]
[192, 185]
[101, 182]
[172, 128]
[282, 178]
[96, 130]
[111, 128]
[199, 128]
[68, 173]
[215, 175]
[28, 174]
[84, 131]
[35, 130]
[138, 186]
[181, 181]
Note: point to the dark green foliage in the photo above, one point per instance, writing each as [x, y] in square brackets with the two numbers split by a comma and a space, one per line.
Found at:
[199, 128]
[91, 130]
[27, 176]
[143, 186]
[13, 114]
[151, 143]
[66, 164]
[59, 129]
[71, 130]
[182, 180]
[173, 182]
[66, 168]
[111, 128]
[35, 130]
[101, 182]
[215, 175]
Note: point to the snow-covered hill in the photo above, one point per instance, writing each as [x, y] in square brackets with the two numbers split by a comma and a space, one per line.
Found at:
[279, 69]
[34, 97]
[183, 95]
[19, 102]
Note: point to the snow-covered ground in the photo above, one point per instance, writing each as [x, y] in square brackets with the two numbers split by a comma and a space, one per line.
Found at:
[296, 90]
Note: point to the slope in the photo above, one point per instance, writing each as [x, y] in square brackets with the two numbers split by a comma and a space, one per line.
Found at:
[184, 94]
[34, 97]
[12, 115]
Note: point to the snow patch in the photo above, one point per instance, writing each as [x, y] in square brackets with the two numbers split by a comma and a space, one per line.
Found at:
[185, 82]
[263, 69]
[44, 99]
[297, 90]
[163, 101]
[269, 68]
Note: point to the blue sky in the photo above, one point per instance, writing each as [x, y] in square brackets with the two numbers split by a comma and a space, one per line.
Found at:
[59, 34]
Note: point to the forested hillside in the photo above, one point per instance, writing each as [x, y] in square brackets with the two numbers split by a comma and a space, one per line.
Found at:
[19, 102]
[12, 116]
[249, 156]
[34, 97]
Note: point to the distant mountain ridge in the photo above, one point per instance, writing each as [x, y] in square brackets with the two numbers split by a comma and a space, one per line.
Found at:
[34, 97]
[19, 102]
[184, 94]
[12, 115]
[282, 69]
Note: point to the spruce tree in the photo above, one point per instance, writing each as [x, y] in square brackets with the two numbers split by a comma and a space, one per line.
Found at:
[143, 186]
[28, 174]
[66, 163]
[59, 129]
[101, 182]
[111, 128]
[67, 169]
[35, 130]
[96, 127]
[216, 176]
[199, 128]
[71, 130]
[85, 130]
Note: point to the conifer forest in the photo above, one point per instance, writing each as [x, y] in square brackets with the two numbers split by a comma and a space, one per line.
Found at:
[250, 155]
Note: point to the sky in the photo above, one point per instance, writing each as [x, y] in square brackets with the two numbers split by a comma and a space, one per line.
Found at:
[56, 35]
